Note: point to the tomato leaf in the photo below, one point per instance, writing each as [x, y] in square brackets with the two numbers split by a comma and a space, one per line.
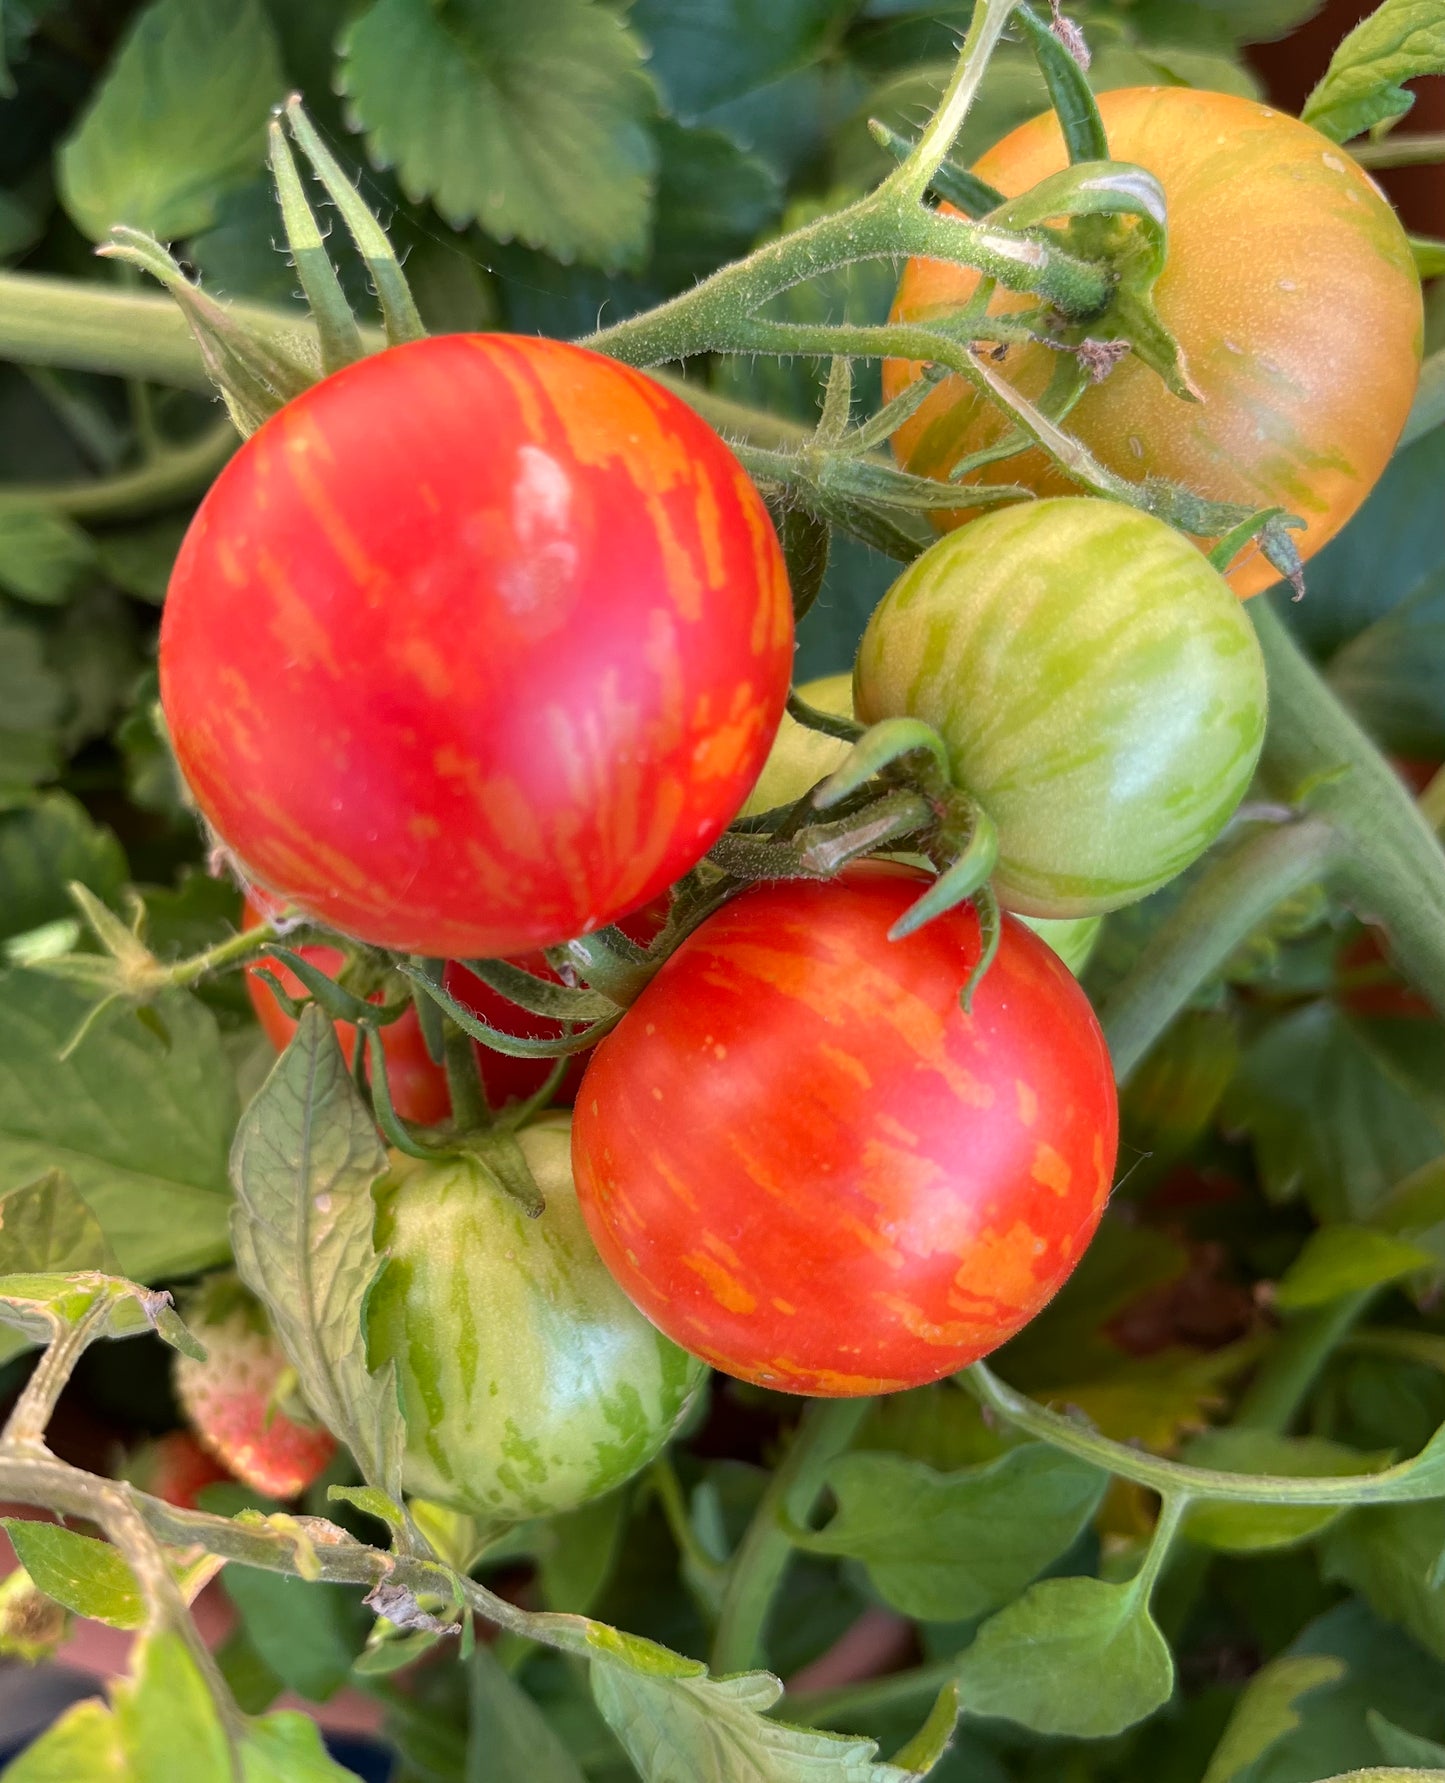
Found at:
[179, 119]
[1076, 1656]
[48, 1226]
[1389, 1554]
[1232, 1528]
[528, 116]
[84, 1742]
[1331, 1115]
[710, 53]
[45, 846]
[1266, 1711]
[297, 1629]
[305, 1157]
[31, 701]
[42, 555]
[1398, 1747]
[507, 1734]
[1345, 1259]
[678, 1725]
[1392, 674]
[86, 1575]
[142, 1127]
[946, 1547]
[1364, 83]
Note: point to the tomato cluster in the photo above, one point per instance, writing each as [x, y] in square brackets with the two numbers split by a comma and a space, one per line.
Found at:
[481, 644]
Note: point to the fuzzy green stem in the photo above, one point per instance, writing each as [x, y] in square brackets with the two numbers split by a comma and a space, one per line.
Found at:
[233, 951]
[756, 1570]
[714, 315]
[1401, 151]
[1390, 866]
[912, 178]
[1235, 893]
[1169, 1478]
[470, 1110]
[173, 475]
[1286, 1378]
[1171, 1514]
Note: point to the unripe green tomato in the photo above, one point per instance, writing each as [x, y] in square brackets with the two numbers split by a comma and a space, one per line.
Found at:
[1099, 688]
[800, 758]
[529, 1382]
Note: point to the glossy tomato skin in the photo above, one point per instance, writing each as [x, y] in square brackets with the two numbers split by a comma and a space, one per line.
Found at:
[418, 1087]
[476, 645]
[1100, 690]
[805, 1163]
[1289, 285]
[529, 1384]
[801, 757]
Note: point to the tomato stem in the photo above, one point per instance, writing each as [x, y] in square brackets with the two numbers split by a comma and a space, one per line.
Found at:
[1238, 888]
[756, 1569]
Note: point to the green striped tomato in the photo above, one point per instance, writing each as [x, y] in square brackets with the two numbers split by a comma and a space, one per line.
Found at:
[528, 1382]
[805, 1162]
[801, 757]
[1098, 686]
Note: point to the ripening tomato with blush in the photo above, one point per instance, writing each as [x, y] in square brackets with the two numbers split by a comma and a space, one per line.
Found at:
[476, 645]
[808, 1166]
[1289, 285]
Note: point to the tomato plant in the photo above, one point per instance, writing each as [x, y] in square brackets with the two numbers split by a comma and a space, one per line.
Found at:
[1289, 285]
[418, 1085]
[463, 689]
[1097, 688]
[529, 1382]
[549, 339]
[806, 1163]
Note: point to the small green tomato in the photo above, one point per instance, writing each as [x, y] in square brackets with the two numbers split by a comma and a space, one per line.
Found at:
[529, 1382]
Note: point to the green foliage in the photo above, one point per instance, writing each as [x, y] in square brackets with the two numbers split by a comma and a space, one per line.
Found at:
[508, 1735]
[305, 1158]
[1071, 1656]
[143, 1121]
[87, 1576]
[1332, 1115]
[1266, 1712]
[178, 120]
[42, 555]
[1364, 85]
[44, 847]
[948, 1547]
[527, 115]
[675, 1724]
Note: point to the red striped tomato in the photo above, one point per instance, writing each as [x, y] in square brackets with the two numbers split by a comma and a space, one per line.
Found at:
[476, 645]
[805, 1163]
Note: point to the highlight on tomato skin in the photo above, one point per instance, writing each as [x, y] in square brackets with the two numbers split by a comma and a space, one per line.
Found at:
[476, 645]
[1298, 310]
[805, 1164]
